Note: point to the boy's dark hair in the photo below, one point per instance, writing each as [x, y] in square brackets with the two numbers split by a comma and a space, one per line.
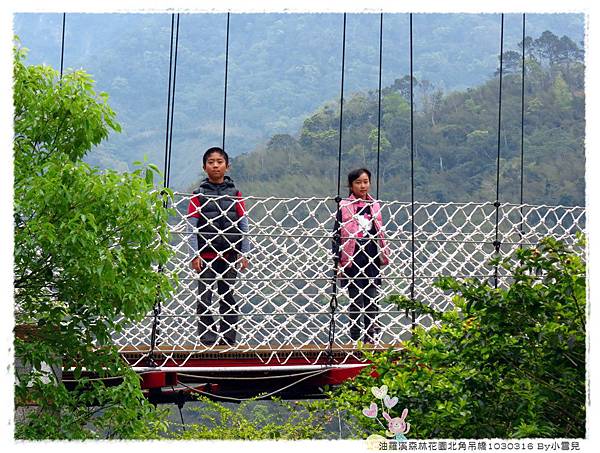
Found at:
[355, 174]
[215, 149]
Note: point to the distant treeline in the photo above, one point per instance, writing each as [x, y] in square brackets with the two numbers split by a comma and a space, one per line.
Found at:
[281, 69]
[455, 138]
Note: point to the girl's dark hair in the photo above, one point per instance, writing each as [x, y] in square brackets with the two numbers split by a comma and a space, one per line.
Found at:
[355, 174]
[215, 149]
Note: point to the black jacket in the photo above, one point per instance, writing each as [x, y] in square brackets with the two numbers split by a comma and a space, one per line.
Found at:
[218, 226]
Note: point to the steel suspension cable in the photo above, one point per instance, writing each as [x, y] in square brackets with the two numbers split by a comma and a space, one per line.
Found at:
[167, 164]
[379, 102]
[169, 94]
[521, 232]
[412, 174]
[497, 243]
[336, 237]
[62, 44]
[180, 404]
[274, 392]
[225, 89]
[339, 175]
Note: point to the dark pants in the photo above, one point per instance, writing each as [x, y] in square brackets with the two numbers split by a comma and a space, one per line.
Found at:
[363, 295]
[225, 274]
[363, 288]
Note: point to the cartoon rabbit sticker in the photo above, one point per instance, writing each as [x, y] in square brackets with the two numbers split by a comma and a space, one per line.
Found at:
[397, 427]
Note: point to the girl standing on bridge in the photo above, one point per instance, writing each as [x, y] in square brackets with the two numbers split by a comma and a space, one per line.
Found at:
[362, 251]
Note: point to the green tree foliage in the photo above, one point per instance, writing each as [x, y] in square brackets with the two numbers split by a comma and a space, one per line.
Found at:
[281, 68]
[86, 246]
[562, 94]
[505, 363]
[455, 138]
[256, 420]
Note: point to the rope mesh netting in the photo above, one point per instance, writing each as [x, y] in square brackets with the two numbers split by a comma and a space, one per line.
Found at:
[283, 297]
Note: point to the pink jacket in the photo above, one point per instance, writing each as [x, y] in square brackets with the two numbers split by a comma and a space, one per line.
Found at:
[349, 229]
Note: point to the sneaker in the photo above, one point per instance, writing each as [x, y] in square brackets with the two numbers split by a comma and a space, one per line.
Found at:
[369, 338]
[354, 334]
[208, 340]
[372, 335]
[227, 342]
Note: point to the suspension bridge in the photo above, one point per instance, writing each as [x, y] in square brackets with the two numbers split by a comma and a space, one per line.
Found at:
[292, 332]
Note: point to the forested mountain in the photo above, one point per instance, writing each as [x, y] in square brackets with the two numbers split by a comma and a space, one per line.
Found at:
[281, 69]
[455, 138]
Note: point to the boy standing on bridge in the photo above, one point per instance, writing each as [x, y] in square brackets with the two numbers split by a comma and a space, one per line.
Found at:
[218, 212]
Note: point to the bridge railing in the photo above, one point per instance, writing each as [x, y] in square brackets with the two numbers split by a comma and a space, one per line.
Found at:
[283, 297]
